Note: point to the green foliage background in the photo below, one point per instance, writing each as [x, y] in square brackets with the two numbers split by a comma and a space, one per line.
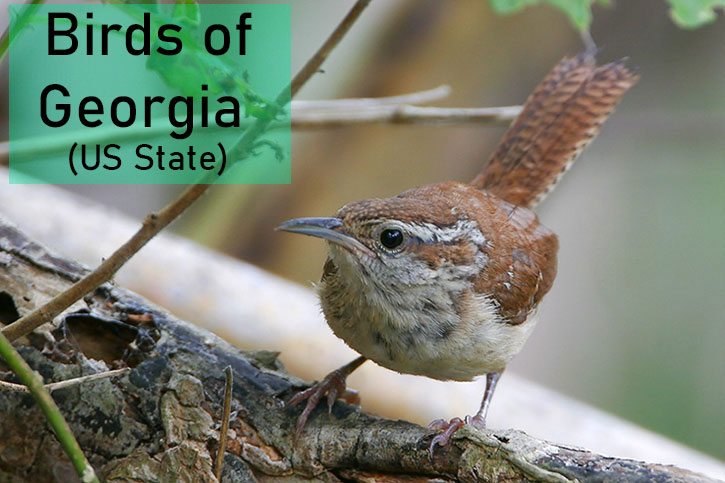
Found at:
[686, 13]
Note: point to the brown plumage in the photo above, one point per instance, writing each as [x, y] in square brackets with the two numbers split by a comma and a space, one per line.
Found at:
[445, 280]
[558, 121]
[521, 252]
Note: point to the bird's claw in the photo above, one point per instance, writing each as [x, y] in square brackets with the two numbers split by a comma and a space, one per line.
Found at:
[332, 386]
[446, 430]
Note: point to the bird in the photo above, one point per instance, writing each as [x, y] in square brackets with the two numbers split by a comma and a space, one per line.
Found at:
[445, 280]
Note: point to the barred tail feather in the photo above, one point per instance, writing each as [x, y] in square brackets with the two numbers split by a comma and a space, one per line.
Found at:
[558, 121]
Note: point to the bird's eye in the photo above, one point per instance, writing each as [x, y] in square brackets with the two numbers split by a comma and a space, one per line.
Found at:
[391, 238]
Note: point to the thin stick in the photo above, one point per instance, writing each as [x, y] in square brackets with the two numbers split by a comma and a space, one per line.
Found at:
[49, 408]
[246, 143]
[418, 97]
[218, 464]
[406, 114]
[153, 224]
[53, 386]
[313, 65]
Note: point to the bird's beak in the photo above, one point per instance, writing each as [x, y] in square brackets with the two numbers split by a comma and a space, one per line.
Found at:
[329, 229]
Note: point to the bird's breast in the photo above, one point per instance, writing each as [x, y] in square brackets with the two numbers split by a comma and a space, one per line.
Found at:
[447, 335]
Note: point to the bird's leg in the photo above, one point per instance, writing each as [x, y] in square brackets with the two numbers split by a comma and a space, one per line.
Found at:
[333, 385]
[446, 429]
[479, 420]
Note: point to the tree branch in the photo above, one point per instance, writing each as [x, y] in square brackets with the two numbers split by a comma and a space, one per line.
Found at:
[165, 408]
[313, 65]
[53, 386]
[404, 114]
[224, 431]
[418, 97]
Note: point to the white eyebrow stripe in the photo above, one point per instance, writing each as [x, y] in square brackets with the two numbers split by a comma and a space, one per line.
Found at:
[431, 233]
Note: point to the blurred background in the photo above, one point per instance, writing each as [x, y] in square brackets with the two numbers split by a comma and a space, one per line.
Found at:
[635, 321]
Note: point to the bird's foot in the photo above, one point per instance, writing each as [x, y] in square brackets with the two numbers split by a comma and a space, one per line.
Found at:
[332, 386]
[446, 429]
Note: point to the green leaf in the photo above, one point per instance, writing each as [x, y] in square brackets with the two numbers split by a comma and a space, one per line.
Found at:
[578, 11]
[694, 13]
[685, 13]
[511, 6]
[184, 71]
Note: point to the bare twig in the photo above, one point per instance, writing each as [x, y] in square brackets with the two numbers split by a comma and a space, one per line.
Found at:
[153, 224]
[316, 60]
[67, 383]
[418, 97]
[49, 408]
[225, 422]
[405, 114]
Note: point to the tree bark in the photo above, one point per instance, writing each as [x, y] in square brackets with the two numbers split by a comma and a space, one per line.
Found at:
[160, 421]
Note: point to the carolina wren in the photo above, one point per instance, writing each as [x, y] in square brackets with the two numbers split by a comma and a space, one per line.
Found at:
[445, 280]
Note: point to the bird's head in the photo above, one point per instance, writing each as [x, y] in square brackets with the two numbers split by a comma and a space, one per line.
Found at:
[402, 241]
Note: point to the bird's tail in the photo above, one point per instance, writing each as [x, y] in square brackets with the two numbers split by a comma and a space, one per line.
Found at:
[558, 121]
